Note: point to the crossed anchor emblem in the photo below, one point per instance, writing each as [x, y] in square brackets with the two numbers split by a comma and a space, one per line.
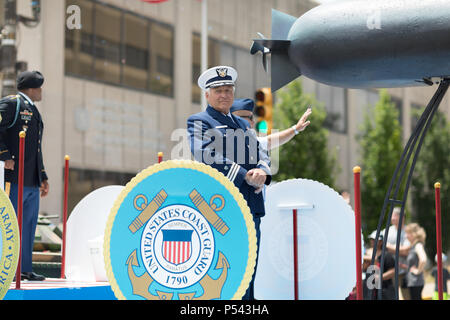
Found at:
[212, 288]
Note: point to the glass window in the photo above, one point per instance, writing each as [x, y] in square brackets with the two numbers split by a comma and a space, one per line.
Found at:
[161, 59]
[214, 59]
[262, 78]
[222, 53]
[107, 44]
[196, 67]
[135, 59]
[120, 47]
[214, 54]
[79, 42]
[245, 83]
[227, 57]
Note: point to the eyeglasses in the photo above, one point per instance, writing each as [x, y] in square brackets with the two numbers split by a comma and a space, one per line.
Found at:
[248, 117]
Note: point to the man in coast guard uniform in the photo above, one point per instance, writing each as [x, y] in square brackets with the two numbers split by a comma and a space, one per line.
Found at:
[213, 136]
[19, 113]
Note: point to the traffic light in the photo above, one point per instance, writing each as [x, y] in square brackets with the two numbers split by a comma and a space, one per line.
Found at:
[263, 110]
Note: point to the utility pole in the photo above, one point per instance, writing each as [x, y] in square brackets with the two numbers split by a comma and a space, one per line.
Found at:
[9, 67]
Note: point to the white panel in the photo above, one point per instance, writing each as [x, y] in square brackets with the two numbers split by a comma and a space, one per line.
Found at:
[326, 243]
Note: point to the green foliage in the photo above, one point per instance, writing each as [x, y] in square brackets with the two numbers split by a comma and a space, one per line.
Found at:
[381, 148]
[307, 155]
[433, 165]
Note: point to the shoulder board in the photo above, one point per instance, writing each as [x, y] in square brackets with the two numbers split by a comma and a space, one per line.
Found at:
[10, 98]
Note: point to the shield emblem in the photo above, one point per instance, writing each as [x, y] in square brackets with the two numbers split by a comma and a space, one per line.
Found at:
[167, 238]
[177, 245]
[222, 72]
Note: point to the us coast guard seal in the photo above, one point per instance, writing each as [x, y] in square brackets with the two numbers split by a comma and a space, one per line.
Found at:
[180, 231]
[9, 243]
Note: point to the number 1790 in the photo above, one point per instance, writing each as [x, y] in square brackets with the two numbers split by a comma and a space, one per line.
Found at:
[172, 280]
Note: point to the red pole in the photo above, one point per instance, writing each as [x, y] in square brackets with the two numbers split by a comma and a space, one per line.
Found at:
[294, 220]
[437, 189]
[160, 157]
[66, 189]
[22, 136]
[357, 178]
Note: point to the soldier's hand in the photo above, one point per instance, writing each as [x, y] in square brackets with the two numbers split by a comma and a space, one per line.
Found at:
[44, 188]
[9, 164]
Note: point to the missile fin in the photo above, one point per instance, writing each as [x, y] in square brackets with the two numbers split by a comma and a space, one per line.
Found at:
[283, 70]
[281, 24]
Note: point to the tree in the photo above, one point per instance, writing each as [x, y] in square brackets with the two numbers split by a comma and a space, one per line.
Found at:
[307, 155]
[381, 148]
[433, 165]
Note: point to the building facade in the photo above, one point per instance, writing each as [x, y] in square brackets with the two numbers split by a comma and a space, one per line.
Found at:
[122, 80]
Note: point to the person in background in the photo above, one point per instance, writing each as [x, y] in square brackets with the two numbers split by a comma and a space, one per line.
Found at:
[416, 260]
[445, 277]
[346, 195]
[372, 278]
[405, 245]
[367, 258]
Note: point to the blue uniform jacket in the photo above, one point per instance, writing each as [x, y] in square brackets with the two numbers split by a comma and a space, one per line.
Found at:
[228, 146]
[12, 121]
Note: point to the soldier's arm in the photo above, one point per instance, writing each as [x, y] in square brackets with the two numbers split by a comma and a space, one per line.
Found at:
[43, 173]
[403, 251]
[44, 188]
[7, 114]
[201, 141]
